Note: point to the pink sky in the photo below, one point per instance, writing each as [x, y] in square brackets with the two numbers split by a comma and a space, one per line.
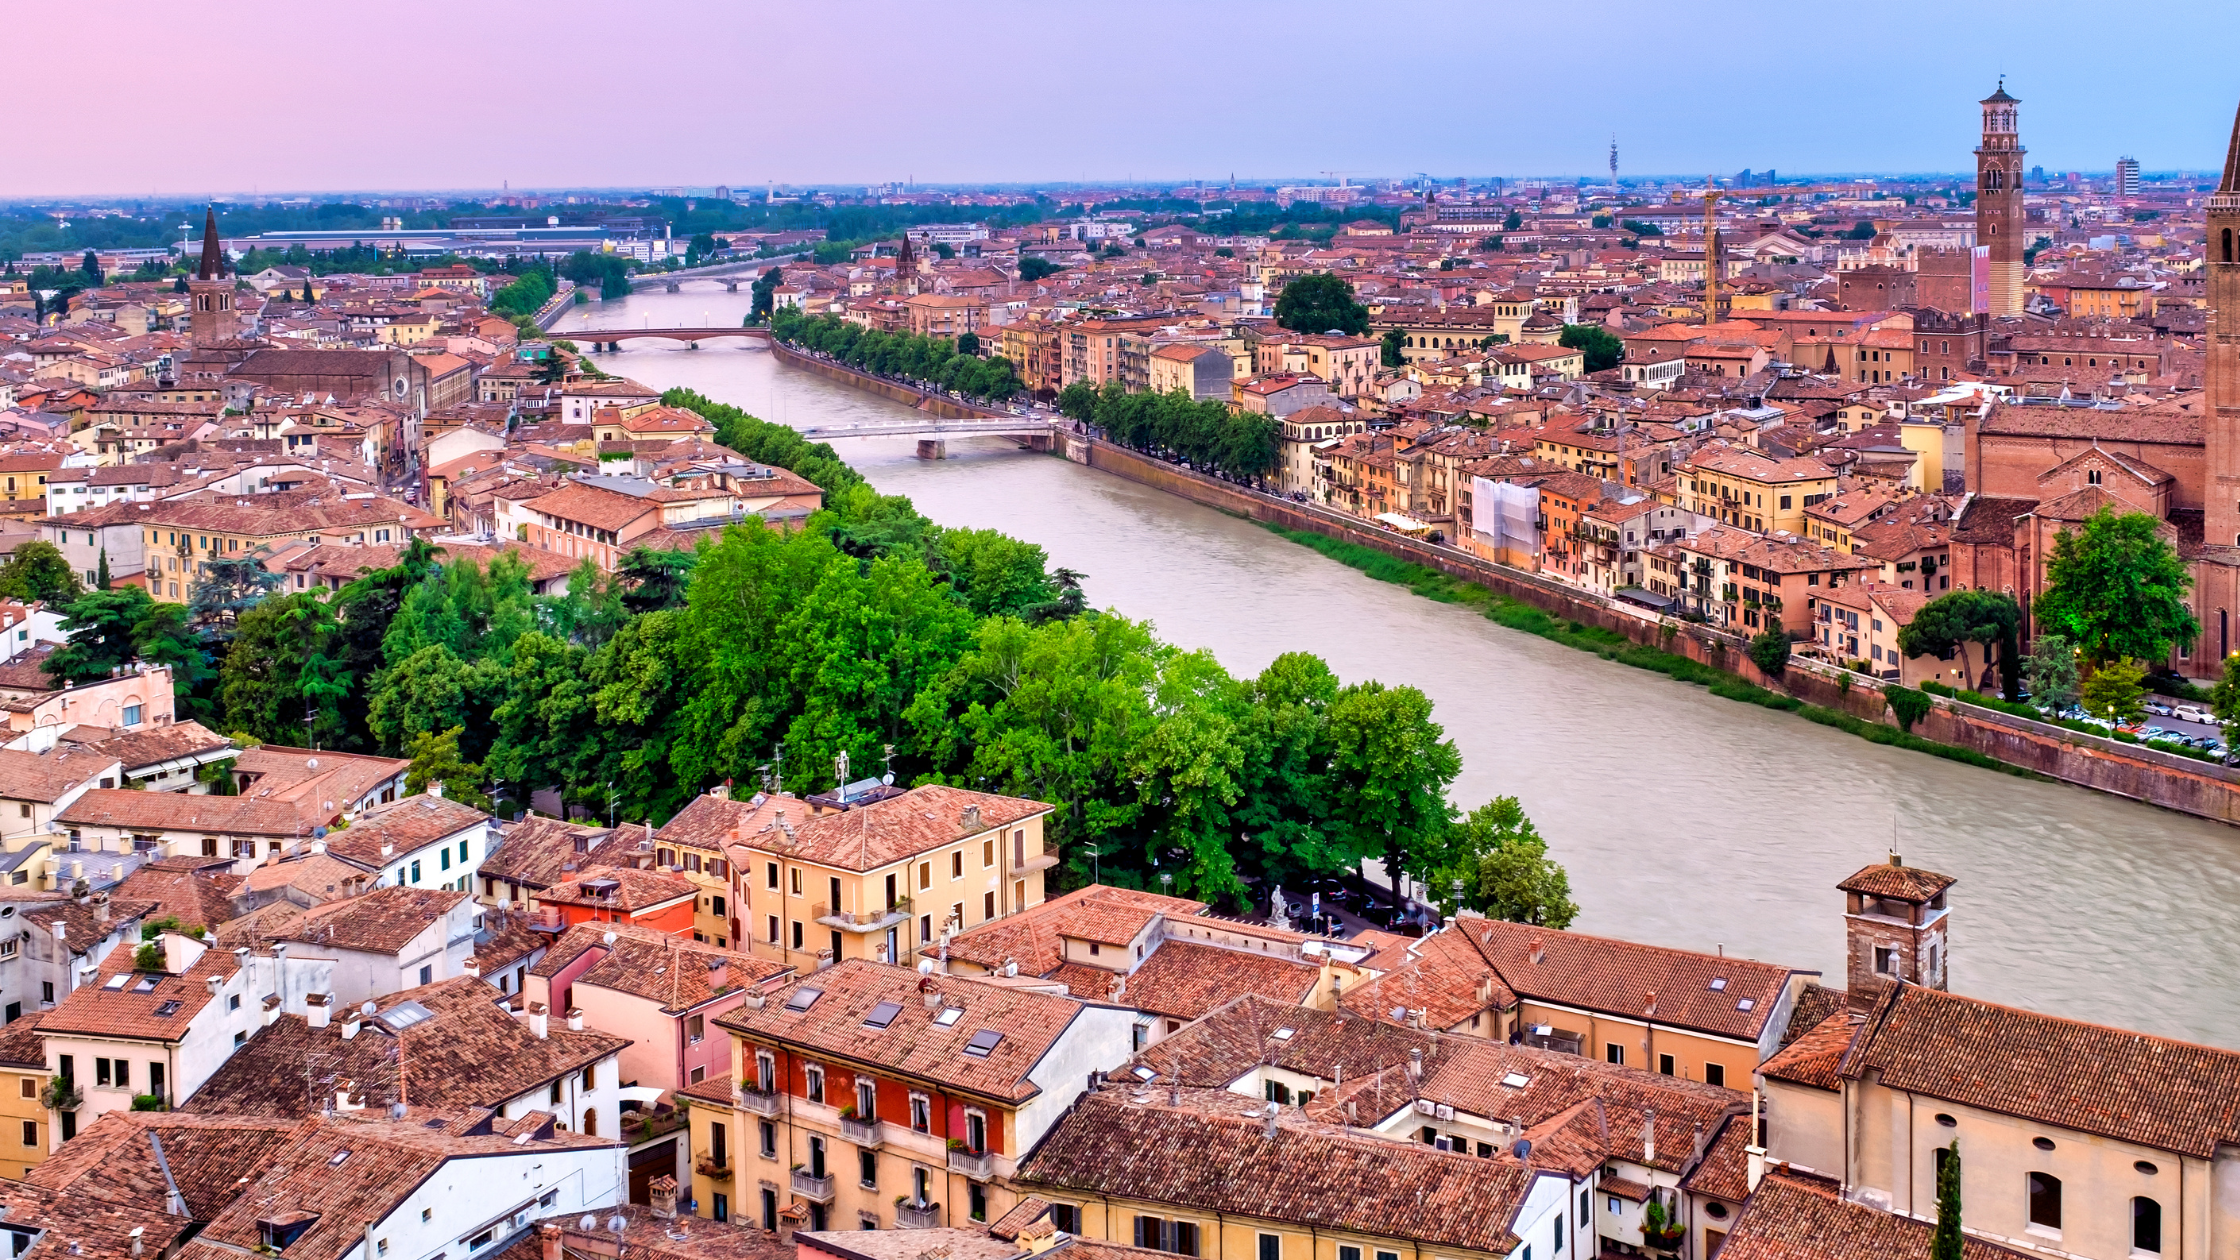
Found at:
[186, 97]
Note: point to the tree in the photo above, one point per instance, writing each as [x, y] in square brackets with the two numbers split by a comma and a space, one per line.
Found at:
[1600, 346]
[39, 571]
[1032, 269]
[100, 624]
[163, 636]
[2051, 673]
[436, 759]
[655, 579]
[944, 249]
[1950, 622]
[2117, 589]
[229, 587]
[1948, 1243]
[1393, 352]
[91, 265]
[1863, 230]
[1319, 303]
[1514, 878]
[2117, 691]
[765, 293]
[1769, 651]
[1391, 766]
[969, 344]
[1512, 221]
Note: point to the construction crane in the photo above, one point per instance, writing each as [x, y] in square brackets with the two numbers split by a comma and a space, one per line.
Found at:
[1340, 176]
[1714, 267]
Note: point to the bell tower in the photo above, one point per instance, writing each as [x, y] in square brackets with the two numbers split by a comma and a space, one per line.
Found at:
[2221, 519]
[1999, 224]
[212, 318]
[1894, 927]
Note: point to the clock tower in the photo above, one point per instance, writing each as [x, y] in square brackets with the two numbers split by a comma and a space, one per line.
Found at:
[1999, 223]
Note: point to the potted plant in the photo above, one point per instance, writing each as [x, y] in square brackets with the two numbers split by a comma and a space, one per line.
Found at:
[1661, 1228]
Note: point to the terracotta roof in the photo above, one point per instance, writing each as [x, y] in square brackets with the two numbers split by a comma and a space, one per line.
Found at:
[1632, 980]
[1448, 979]
[380, 921]
[468, 1051]
[1990, 520]
[632, 890]
[1902, 883]
[539, 852]
[321, 784]
[138, 750]
[675, 973]
[714, 1089]
[2084, 1077]
[28, 776]
[2171, 422]
[196, 891]
[871, 836]
[1791, 1218]
[913, 1044]
[1724, 1172]
[85, 924]
[1031, 936]
[404, 826]
[1186, 980]
[134, 810]
[1208, 1155]
[131, 1010]
[21, 1044]
[683, 1237]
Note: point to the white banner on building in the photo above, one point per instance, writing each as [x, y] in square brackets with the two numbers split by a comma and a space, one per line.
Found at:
[1506, 515]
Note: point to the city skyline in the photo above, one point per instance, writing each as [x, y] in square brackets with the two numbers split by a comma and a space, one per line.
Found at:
[694, 97]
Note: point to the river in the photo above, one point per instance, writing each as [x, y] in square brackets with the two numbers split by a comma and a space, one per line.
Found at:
[1683, 819]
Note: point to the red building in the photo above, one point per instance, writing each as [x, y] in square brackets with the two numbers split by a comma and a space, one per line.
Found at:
[652, 899]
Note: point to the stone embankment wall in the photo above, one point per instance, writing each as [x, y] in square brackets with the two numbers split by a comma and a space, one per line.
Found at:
[2104, 765]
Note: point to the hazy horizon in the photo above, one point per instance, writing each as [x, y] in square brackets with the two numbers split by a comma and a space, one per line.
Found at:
[270, 99]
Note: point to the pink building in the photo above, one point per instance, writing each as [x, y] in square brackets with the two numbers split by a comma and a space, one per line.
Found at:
[660, 990]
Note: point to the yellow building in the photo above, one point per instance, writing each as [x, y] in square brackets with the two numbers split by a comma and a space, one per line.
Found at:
[1752, 490]
[25, 1123]
[864, 871]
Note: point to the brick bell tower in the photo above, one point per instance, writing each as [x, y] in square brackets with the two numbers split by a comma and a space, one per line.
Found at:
[1894, 926]
[212, 318]
[1999, 222]
[2221, 432]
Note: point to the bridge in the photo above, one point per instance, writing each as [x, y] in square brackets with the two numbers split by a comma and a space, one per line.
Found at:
[607, 339]
[1030, 432]
[730, 274]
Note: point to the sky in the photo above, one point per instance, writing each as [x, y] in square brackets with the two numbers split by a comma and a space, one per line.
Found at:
[233, 96]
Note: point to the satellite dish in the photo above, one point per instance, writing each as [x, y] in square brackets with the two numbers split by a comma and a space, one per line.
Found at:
[367, 1009]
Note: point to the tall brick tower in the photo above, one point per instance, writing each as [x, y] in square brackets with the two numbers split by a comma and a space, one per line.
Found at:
[212, 319]
[1896, 926]
[1999, 199]
[2221, 519]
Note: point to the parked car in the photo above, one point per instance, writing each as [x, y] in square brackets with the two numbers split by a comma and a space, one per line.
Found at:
[2188, 713]
[2157, 707]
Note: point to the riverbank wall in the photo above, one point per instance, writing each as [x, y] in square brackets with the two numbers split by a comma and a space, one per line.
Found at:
[917, 399]
[2105, 765]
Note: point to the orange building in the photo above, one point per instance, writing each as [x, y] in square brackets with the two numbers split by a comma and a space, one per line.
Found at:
[651, 899]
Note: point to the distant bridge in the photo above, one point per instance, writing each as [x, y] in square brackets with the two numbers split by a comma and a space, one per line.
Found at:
[933, 432]
[606, 339]
[729, 274]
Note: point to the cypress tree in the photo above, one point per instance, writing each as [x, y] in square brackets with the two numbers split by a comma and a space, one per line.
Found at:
[1945, 1244]
[101, 575]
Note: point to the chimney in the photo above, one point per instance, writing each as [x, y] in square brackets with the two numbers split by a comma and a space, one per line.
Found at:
[471, 967]
[970, 818]
[1897, 858]
[539, 1020]
[1273, 1108]
[1755, 1151]
[61, 930]
[1649, 1135]
[435, 788]
[101, 907]
[1537, 951]
[548, 1239]
[719, 974]
[271, 1009]
[575, 1019]
[662, 1195]
[1415, 1063]
[315, 1012]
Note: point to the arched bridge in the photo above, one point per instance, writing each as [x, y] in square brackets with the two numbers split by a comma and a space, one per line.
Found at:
[607, 338]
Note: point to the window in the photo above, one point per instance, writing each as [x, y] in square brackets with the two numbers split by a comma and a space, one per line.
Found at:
[925, 873]
[415, 870]
[1666, 1065]
[715, 907]
[722, 1209]
[2146, 1214]
[1558, 1248]
[796, 878]
[773, 929]
[1615, 1053]
[813, 1083]
[797, 933]
[1271, 1247]
[867, 1169]
[987, 853]
[132, 715]
[921, 1113]
[956, 865]
[443, 859]
[867, 1100]
[2045, 1200]
[558, 1089]
[766, 1138]
[1885, 961]
[1714, 1074]
[31, 1137]
[771, 874]
[1349, 1253]
[976, 1132]
[1067, 1218]
[769, 1209]
[976, 1202]
[988, 904]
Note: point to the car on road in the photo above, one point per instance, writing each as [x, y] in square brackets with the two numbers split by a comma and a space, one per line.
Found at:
[2188, 713]
[2156, 707]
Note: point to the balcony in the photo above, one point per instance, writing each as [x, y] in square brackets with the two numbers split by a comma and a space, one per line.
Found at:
[713, 1169]
[1042, 861]
[761, 1102]
[862, 921]
[812, 1187]
[980, 1167]
[864, 1133]
[917, 1216]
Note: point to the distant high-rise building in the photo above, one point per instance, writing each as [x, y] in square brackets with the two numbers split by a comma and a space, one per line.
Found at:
[1999, 200]
[2127, 177]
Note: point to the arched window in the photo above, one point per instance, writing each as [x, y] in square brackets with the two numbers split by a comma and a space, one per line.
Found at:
[2045, 1200]
[2146, 1224]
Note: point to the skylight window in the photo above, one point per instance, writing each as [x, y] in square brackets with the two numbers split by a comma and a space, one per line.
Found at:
[1719, 984]
[405, 1014]
[949, 1015]
[1143, 1073]
[1744, 1005]
[1516, 1080]
[339, 1156]
[803, 998]
[882, 1015]
[119, 980]
[145, 984]
[1283, 1034]
[167, 1010]
[983, 1043]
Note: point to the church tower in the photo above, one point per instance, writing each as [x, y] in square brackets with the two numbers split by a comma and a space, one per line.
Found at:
[1896, 926]
[212, 319]
[1999, 199]
[2221, 435]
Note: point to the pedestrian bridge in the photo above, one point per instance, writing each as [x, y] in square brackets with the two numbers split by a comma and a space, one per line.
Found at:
[607, 339]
